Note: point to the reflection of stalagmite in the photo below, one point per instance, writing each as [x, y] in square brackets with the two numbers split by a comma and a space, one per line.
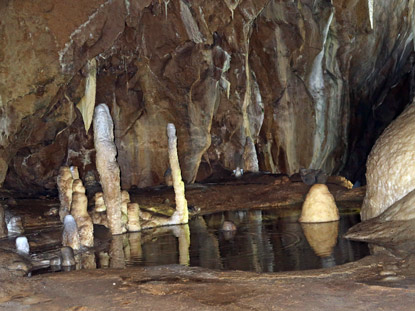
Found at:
[133, 217]
[117, 252]
[3, 226]
[64, 183]
[319, 205]
[70, 236]
[181, 215]
[183, 235]
[68, 258]
[107, 166]
[322, 237]
[88, 261]
[136, 250]
[104, 259]
[79, 212]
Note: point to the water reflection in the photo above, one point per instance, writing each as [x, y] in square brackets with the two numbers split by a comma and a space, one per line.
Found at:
[264, 241]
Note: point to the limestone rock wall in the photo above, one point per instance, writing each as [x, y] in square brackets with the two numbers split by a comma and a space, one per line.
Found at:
[270, 85]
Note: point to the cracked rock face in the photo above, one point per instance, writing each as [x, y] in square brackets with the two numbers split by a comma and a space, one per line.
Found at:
[267, 85]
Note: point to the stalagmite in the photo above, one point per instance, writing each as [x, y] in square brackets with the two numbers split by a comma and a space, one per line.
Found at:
[80, 214]
[181, 215]
[107, 166]
[133, 217]
[64, 183]
[70, 236]
[22, 245]
[319, 205]
[125, 199]
[99, 202]
[74, 172]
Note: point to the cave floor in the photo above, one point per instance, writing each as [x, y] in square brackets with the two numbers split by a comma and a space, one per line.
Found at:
[377, 282]
[354, 286]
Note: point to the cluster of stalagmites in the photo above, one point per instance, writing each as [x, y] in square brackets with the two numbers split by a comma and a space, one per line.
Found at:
[113, 207]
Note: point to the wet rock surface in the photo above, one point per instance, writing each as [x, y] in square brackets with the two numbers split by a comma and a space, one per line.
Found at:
[272, 85]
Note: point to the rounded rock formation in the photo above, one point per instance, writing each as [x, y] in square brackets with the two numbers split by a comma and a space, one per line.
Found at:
[319, 205]
[390, 170]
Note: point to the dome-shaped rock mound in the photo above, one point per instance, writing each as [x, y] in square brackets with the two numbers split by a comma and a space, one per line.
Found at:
[319, 205]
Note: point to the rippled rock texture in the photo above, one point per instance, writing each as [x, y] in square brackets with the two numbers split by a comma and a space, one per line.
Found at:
[268, 85]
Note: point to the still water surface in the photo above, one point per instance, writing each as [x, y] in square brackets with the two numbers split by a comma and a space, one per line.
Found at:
[264, 241]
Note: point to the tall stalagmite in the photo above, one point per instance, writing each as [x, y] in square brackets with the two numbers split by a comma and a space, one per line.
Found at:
[107, 166]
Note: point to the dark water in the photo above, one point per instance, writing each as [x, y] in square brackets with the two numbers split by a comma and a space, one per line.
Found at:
[265, 241]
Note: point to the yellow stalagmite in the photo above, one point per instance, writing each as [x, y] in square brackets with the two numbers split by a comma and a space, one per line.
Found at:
[319, 205]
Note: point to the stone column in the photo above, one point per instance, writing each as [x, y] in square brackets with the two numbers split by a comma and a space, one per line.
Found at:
[107, 166]
[181, 215]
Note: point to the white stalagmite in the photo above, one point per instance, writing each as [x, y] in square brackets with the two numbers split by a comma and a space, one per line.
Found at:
[22, 245]
[107, 166]
[70, 235]
[125, 199]
[181, 215]
[64, 183]
[74, 172]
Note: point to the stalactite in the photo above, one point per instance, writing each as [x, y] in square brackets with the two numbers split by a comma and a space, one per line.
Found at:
[87, 103]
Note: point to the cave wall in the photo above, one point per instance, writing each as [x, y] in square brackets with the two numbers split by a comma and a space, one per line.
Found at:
[269, 85]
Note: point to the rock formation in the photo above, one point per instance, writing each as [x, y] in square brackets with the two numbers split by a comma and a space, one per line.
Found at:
[22, 245]
[70, 235]
[107, 166]
[319, 205]
[181, 215]
[80, 214]
[296, 84]
[391, 167]
[64, 183]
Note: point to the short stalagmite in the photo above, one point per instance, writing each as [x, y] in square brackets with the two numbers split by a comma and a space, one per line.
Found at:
[99, 202]
[80, 214]
[390, 169]
[319, 205]
[64, 182]
[22, 245]
[181, 215]
[125, 199]
[70, 235]
[107, 166]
